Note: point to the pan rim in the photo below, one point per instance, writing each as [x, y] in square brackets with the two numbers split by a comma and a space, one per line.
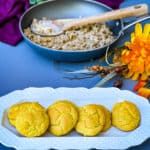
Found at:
[66, 51]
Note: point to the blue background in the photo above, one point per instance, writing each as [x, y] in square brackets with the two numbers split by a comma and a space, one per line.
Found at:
[22, 67]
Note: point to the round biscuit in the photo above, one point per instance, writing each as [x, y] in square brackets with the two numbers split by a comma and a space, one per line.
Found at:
[31, 122]
[14, 110]
[125, 116]
[91, 120]
[107, 113]
[63, 117]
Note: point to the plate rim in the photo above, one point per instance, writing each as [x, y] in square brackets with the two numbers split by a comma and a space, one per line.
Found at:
[9, 143]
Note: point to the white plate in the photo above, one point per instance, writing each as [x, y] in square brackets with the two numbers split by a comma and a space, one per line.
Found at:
[112, 139]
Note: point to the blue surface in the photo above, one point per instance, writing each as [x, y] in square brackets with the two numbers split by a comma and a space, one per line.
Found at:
[22, 67]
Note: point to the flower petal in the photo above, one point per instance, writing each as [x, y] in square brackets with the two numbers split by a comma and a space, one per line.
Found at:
[146, 31]
[135, 76]
[145, 92]
[138, 29]
[129, 74]
[132, 37]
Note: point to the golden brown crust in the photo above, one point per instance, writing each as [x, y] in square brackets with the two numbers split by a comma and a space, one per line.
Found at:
[107, 113]
[31, 122]
[91, 120]
[63, 117]
[16, 108]
[125, 116]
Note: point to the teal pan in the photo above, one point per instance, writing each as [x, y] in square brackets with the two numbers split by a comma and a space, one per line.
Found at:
[68, 9]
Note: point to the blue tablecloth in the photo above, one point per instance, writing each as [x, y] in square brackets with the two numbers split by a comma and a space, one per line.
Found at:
[22, 67]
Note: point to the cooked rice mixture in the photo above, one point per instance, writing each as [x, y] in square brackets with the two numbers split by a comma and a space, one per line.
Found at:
[83, 38]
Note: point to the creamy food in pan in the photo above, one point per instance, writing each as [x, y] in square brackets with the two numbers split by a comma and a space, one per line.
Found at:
[83, 38]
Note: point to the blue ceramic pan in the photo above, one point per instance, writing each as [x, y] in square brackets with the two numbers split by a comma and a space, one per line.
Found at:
[57, 9]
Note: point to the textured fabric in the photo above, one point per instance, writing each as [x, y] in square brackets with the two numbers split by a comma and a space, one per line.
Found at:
[112, 3]
[10, 13]
[32, 2]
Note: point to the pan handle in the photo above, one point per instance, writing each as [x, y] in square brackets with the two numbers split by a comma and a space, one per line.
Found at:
[133, 23]
[121, 33]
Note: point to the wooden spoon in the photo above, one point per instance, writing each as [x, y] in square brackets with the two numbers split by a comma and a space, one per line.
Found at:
[46, 27]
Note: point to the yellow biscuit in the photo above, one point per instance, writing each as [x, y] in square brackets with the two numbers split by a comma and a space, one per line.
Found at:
[15, 109]
[31, 122]
[91, 120]
[63, 117]
[125, 116]
[107, 113]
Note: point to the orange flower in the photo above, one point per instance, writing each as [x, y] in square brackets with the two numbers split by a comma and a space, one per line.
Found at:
[145, 92]
[137, 56]
[140, 84]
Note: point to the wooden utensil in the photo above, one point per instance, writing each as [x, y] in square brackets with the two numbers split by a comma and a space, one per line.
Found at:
[46, 27]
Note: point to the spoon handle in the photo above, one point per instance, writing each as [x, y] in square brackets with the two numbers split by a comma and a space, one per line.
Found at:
[136, 10]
